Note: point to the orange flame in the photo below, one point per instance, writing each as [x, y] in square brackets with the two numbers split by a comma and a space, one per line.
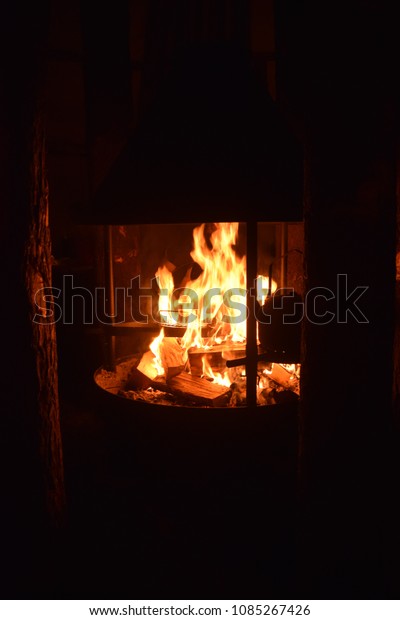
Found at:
[166, 285]
[155, 349]
[217, 297]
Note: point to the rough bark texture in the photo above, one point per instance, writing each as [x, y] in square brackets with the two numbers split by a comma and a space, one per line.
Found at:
[396, 347]
[37, 276]
[33, 490]
[345, 425]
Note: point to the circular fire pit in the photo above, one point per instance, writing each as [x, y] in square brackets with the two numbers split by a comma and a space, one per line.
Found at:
[203, 446]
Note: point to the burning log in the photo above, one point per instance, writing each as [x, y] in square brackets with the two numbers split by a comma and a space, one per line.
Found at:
[223, 348]
[146, 365]
[173, 357]
[142, 376]
[214, 357]
[285, 378]
[200, 359]
[199, 390]
[234, 352]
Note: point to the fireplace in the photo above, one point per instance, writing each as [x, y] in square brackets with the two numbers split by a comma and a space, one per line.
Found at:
[181, 326]
[202, 216]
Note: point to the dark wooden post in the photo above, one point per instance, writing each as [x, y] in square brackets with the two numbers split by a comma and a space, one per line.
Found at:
[350, 226]
[251, 324]
[33, 500]
[396, 346]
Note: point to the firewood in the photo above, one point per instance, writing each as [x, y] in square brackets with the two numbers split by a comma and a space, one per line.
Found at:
[199, 390]
[145, 373]
[173, 357]
[137, 380]
[283, 397]
[216, 356]
[224, 348]
[213, 358]
[235, 352]
[141, 377]
[196, 365]
[146, 365]
[283, 377]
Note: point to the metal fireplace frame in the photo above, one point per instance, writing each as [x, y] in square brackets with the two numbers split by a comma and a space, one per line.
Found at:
[215, 144]
[112, 330]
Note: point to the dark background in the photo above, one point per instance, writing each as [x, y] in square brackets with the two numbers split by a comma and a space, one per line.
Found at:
[295, 503]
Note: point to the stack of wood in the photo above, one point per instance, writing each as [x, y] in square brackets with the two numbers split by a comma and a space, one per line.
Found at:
[183, 374]
[176, 379]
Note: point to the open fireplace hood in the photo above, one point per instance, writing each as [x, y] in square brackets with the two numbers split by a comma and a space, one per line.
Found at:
[212, 147]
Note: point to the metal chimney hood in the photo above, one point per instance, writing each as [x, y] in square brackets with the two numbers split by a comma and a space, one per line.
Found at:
[213, 147]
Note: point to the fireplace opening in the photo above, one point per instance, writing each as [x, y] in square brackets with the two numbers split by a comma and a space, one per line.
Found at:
[202, 215]
[183, 328]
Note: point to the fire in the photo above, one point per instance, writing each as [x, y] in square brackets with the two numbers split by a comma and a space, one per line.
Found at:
[166, 285]
[221, 378]
[264, 289]
[219, 289]
[155, 349]
[212, 306]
